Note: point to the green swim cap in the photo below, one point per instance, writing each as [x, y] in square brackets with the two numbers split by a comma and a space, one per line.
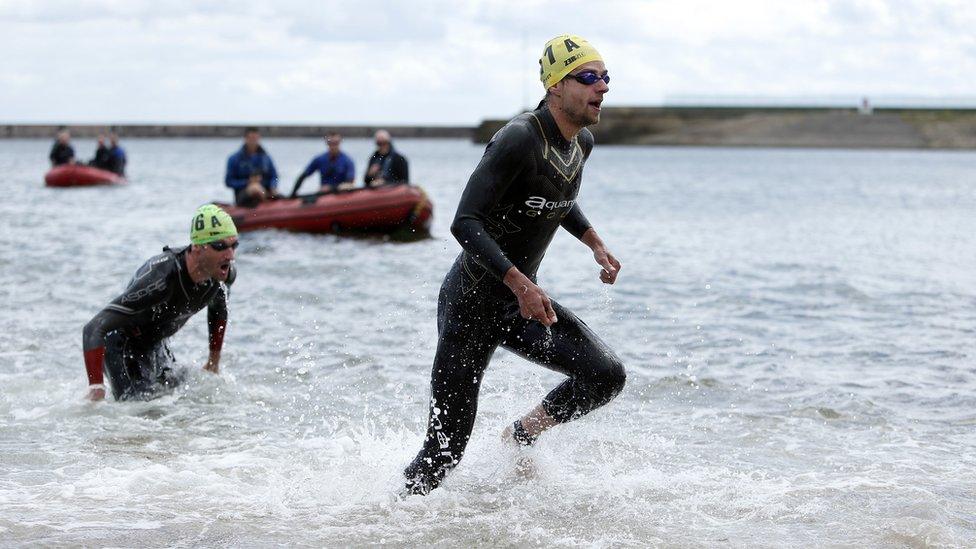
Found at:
[211, 224]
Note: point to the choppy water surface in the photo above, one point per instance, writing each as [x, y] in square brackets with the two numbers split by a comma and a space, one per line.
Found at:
[798, 326]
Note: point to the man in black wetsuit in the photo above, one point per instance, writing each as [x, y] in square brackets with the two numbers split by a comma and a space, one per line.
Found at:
[522, 191]
[62, 152]
[127, 339]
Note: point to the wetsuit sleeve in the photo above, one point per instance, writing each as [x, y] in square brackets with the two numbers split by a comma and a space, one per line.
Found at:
[217, 314]
[150, 287]
[575, 222]
[506, 156]
[233, 179]
[93, 340]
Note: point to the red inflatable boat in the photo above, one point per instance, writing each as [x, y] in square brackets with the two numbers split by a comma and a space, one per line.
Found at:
[79, 175]
[384, 209]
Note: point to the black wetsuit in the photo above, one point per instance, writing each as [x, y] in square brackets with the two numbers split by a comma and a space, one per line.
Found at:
[61, 153]
[129, 335]
[524, 188]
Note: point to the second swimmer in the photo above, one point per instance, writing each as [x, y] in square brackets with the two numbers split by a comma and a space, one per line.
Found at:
[127, 339]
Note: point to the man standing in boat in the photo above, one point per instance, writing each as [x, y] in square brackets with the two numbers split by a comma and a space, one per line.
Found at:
[336, 169]
[522, 191]
[251, 172]
[386, 166]
[127, 339]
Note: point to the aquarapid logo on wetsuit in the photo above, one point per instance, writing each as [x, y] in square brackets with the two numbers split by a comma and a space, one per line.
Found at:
[539, 203]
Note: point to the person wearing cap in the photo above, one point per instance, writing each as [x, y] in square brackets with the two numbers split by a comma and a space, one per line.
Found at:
[62, 152]
[251, 172]
[127, 339]
[522, 191]
[386, 165]
[336, 169]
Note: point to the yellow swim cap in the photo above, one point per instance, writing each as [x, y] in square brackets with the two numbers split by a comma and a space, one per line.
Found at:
[563, 54]
[210, 224]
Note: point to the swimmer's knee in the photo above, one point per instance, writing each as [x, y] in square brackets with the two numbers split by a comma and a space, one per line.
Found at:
[617, 375]
[611, 378]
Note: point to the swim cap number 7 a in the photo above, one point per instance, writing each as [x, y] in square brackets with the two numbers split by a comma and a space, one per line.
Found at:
[561, 55]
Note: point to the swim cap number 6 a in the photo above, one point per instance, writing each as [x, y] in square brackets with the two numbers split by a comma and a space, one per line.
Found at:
[210, 224]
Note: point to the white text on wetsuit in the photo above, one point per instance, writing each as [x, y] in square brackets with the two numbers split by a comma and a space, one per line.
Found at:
[540, 203]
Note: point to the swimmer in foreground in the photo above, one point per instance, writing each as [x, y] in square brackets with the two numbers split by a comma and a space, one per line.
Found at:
[522, 191]
[127, 339]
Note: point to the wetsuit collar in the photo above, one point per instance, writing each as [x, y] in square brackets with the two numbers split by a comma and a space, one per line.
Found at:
[551, 129]
[186, 281]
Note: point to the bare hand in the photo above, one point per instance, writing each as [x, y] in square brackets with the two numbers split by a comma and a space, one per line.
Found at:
[534, 304]
[611, 267]
[95, 394]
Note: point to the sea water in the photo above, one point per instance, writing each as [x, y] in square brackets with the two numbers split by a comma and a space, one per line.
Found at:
[798, 326]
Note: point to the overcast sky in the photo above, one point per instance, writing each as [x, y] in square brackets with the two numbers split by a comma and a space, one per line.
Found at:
[457, 62]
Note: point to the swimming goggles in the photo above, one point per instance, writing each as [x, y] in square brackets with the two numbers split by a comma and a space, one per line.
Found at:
[220, 245]
[588, 78]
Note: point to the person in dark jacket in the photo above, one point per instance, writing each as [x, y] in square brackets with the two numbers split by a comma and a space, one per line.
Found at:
[251, 172]
[102, 154]
[116, 156]
[386, 165]
[61, 152]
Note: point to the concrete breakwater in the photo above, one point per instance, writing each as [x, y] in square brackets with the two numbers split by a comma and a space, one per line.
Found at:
[227, 130]
[779, 127]
[684, 126]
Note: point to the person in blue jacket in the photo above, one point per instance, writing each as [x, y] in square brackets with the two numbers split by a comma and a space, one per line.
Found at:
[335, 168]
[116, 155]
[251, 173]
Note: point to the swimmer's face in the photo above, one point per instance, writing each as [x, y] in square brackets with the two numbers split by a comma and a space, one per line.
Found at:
[582, 102]
[216, 257]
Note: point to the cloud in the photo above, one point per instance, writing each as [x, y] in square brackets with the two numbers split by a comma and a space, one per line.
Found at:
[445, 62]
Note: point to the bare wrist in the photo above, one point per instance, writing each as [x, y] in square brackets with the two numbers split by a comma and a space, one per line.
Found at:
[591, 239]
[515, 280]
